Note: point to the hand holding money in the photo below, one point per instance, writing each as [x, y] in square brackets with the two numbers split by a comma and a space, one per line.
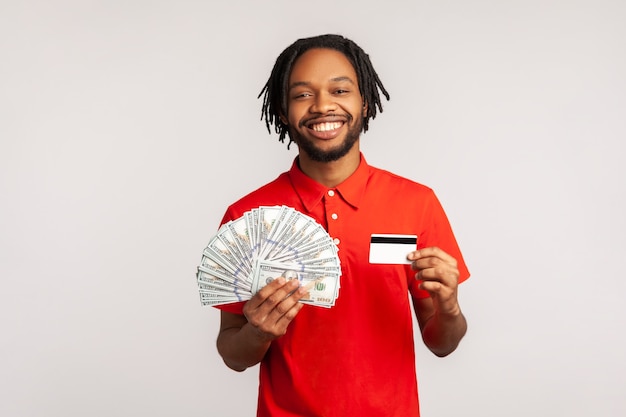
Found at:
[271, 309]
[266, 243]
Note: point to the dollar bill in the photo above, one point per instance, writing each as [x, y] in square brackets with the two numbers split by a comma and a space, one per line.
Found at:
[263, 244]
[322, 288]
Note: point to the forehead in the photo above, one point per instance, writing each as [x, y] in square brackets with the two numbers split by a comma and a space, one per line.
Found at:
[319, 65]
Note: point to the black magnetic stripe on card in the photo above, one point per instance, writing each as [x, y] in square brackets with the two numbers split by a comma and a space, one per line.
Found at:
[394, 239]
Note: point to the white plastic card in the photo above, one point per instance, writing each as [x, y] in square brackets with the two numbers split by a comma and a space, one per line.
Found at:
[391, 248]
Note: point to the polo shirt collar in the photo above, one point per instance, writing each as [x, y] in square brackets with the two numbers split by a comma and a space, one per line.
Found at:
[311, 192]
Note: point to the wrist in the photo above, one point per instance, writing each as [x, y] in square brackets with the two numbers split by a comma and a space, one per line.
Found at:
[258, 336]
[450, 314]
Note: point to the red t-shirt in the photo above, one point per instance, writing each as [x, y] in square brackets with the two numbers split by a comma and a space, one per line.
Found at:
[356, 358]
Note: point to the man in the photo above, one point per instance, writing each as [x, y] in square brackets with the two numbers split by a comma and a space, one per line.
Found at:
[356, 358]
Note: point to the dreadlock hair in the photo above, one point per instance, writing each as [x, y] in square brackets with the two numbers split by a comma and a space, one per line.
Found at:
[275, 90]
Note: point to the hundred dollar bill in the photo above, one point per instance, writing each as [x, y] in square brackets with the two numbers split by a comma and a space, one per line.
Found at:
[278, 226]
[313, 232]
[262, 244]
[208, 274]
[235, 255]
[295, 230]
[239, 235]
[321, 249]
[266, 219]
[331, 271]
[251, 224]
[289, 246]
[302, 233]
[326, 262]
[281, 233]
[310, 232]
[207, 299]
[227, 293]
[221, 254]
[214, 268]
[322, 287]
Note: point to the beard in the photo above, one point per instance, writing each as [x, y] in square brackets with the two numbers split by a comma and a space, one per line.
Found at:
[333, 154]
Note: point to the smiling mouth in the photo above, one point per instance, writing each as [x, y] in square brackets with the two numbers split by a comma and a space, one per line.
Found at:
[326, 126]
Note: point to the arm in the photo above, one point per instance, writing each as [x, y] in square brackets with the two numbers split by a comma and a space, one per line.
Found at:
[243, 340]
[441, 321]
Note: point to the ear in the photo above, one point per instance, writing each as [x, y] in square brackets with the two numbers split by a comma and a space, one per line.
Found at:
[365, 108]
[283, 119]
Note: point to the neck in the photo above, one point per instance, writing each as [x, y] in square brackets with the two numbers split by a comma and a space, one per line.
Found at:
[332, 173]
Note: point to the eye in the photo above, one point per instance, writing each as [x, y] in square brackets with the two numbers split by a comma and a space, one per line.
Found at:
[303, 95]
[341, 91]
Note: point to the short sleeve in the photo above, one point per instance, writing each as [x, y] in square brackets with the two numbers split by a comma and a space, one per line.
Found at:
[438, 232]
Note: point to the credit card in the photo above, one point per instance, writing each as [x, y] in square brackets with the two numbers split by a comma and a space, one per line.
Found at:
[391, 248]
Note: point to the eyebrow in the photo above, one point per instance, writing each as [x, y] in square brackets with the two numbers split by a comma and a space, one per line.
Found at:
[334, 80]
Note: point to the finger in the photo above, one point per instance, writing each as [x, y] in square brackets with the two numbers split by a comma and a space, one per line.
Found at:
[291, 299]
[441, 262]
[431, 252]
[429, 262]
[285, 311]
[277, 293]
[433, 287]
[277, 325]
[263, 302]
[444, 298]
[274, 323]
[270, 288]
[435, 267]
[447, 276]
[258, 298]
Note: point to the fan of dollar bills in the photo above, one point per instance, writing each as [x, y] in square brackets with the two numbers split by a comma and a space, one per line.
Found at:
[266, 243]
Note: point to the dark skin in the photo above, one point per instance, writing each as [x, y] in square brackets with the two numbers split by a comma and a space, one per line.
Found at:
[329, 81]
[441, 321]
[243, 340]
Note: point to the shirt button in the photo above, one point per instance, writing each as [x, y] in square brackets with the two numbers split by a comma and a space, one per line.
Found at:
[336, 241]
[334, 216]
[331, 193]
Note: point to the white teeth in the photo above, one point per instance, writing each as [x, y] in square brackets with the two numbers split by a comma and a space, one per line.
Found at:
[324, 127]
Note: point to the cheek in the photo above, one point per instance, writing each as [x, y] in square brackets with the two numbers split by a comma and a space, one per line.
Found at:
[355, 107]
[296, 113]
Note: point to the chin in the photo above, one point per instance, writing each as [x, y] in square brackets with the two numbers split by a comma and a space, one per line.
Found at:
[331, 154]
[326, 155]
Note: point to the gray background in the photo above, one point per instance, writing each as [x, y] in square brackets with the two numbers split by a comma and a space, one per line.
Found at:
[127, 127]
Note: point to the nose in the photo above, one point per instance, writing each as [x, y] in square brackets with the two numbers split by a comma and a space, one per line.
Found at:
[323, 103]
